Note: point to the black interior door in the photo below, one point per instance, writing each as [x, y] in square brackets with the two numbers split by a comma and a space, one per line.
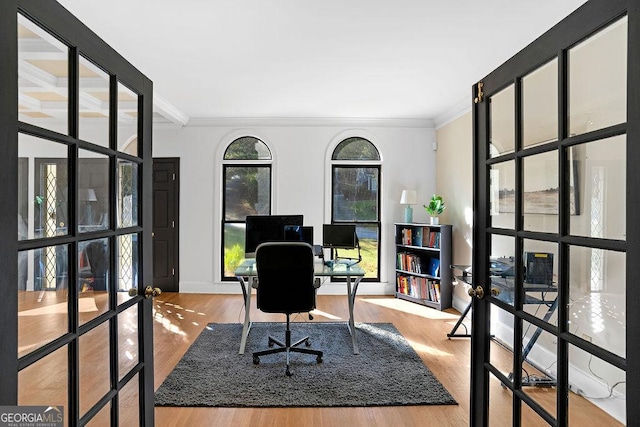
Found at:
[165, 223]
[77, 328]
[556, 137]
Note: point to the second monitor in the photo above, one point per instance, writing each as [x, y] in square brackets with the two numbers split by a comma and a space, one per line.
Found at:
[339, 236]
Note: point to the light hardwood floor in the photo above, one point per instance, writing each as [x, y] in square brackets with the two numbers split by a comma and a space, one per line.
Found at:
[179, 319]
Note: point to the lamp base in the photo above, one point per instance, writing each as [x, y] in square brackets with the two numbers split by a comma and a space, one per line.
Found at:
[408, 214]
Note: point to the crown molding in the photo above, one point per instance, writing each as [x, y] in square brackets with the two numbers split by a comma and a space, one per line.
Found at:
[306, 122]
[169, 111]
[460, 108]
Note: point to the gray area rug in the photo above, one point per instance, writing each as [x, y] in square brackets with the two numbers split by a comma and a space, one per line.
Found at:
[387, 372]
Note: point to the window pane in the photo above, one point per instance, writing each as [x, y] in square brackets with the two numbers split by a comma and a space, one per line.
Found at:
[93, 191]
[234, 239]
[356, 149]
[93, 366]
[598, 80]
[369, 239]
[247, 191]
[355, 193]
[46, 214]
[42, 297]
[46, 383]
[127, 120]
[540, 105]
[128, 263]
[502, 126]
[599, 176]
[127, 195]
[597, 295]
[540, 198]
[503, 194]
[247, 148]
[43, 70]
[93, 279]
[93, 125]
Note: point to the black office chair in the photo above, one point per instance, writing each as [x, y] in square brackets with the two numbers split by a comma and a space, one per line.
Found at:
[286, 285]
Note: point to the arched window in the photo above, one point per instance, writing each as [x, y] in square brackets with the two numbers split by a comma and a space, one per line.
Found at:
[247, 191]
[355, 197]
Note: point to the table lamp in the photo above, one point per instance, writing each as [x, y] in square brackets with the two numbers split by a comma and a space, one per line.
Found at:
[409, 197]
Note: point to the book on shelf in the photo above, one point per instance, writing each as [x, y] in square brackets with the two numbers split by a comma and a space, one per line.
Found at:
[434, 267]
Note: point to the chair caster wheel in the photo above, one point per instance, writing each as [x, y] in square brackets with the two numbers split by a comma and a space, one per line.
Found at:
[256, 360]
[288, 372]
[270, 344]
[307, 343]
[319, 359]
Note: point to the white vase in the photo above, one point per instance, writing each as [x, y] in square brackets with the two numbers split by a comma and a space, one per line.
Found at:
[435, 220]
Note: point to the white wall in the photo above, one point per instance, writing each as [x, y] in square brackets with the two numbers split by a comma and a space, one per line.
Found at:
[302, 150]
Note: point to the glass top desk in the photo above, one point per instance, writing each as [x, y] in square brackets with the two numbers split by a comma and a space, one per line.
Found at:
[246, 272]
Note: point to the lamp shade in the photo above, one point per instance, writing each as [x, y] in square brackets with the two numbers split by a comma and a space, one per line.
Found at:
[87, 195]
[409, 197]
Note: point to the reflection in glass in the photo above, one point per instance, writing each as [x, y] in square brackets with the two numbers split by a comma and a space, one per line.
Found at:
[234, 240]
[247, 148]
[502, 193]
[500, 350]
[128, 263]
[93, 278]
[596, 380]
[127, 120]
[128, 401]
[502, 126]
[539, 355]
[501, 266]
[42, 297]
[43, 70]
[102, 418]
[540, 198]
[42, 209]
[93, 191]
[599, 173]
[93, 366]
[355, 193]
[93, 125]
[540, 279]
[127, 340]
[597, 295]
[127, 194]
[247, 191]
[598, 80]
[540, 105]
[45, 383]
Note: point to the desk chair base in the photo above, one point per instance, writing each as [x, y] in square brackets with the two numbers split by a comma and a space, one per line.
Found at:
[287, 348]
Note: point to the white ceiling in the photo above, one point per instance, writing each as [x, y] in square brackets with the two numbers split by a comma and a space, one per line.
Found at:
[401, 59]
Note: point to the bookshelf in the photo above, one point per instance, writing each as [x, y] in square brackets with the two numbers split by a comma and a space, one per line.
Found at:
[423, 260]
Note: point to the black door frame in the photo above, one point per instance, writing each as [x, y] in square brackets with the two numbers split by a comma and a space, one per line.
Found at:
[593, 15]
[51, 15]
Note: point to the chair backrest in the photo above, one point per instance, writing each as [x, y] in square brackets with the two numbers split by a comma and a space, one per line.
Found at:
[285, 277]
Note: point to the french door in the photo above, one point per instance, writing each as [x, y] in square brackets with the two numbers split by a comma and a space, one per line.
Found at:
[76, 168]
[556, 235]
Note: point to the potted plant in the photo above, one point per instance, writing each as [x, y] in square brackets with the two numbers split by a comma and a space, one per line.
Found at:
[435, 207]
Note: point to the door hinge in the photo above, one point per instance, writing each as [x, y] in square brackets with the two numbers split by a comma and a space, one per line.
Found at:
[479, 94]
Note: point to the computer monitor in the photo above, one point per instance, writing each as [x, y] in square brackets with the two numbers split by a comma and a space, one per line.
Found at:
[339, 236]
[298, 233]
[267, 228]
[538, 268]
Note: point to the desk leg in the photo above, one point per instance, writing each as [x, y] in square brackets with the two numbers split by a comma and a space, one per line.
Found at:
[352, 299]
[246, 293]
[459, 322]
